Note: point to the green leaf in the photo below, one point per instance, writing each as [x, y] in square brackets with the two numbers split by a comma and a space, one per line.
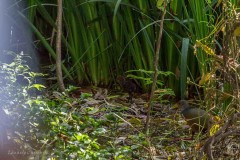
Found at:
[92, 110]
[54, 123]
[160, 4]
[38, 86]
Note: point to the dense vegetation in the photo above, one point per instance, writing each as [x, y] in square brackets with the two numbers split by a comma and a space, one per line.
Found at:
[101, 41]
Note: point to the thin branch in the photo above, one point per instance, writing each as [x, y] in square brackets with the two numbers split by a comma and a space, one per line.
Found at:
[156, 59]
[59, 46]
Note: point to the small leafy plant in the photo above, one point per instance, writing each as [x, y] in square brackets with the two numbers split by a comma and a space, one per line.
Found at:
[54, 125]
[161, 90]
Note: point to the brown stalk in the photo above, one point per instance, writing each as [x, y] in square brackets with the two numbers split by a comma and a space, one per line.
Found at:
[156, 59]
[59, 46]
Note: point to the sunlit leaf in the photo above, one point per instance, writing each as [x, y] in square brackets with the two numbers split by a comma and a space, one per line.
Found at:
[216, 118]
[38, 86]
[54, 123]
[214, 129]
[207, 49]
[205, 78]
[237, 32]
[160, 4]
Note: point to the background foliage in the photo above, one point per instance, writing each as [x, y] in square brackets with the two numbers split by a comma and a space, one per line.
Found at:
[106, 38]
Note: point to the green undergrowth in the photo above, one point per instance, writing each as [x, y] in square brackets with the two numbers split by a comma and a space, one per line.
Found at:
[78, 125]
[74, 131]
[56, 125]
